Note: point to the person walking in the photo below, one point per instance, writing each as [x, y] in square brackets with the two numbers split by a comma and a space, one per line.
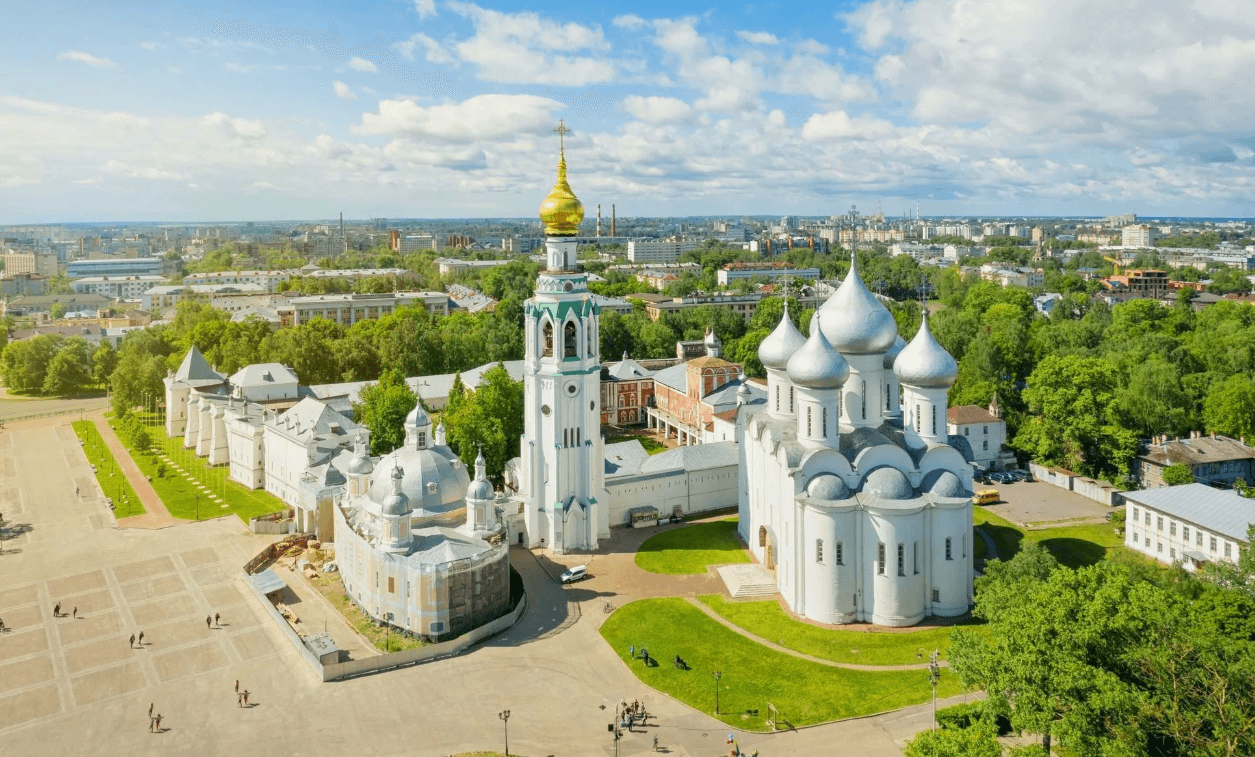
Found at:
[217, 620]
[56, 611]
[237, 686]
[132, 641]
[158, 722]
[655, 743]
[141, 638]
[246, 697]
[239, 699]
[150, 710]
[1, 625]
[208, 622]
[76, 611]
[632, 651]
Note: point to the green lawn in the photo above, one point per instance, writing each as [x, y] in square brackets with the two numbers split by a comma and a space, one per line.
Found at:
[692, 548]
[651, 445]
[331, 587]
[766, 620]
[179, 494]
[1073, 546]
[804, 692]
[107, 472]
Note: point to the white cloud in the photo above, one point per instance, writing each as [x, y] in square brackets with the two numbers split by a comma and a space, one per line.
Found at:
[363, 65]
[434, 52]
[343, 91]
[239, 69]
[258, 186]
[88, 58]
[425, 8]
[758, 38]
[152, 45]
[657, 110]
[479, 118]
[630, 22]
[523, 48]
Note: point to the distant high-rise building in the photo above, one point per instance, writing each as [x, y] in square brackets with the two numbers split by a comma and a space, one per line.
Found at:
[1137, 236]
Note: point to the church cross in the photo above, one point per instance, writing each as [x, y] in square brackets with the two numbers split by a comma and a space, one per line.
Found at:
[562, 131]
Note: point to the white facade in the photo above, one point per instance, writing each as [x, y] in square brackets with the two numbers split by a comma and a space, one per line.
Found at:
[1191, 524]
[305, 436]
[658, 250]
[1137, 236]
[268, 280]
[348, 309]
[117, 287]
[246, 449]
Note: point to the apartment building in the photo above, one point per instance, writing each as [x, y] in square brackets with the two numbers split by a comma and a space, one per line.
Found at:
[348, 309]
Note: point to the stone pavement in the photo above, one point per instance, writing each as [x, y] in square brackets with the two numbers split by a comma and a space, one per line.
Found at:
[1038, 502]
[73, 687]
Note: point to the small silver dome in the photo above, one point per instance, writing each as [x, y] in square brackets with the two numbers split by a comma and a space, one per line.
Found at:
[948, 485]
[479, 490]
[924, 362]
[333, 476]
[780, 345]
[816, 365]
[418, 417]
[396, 505]
[898, 345]
[887, 483]
[712, 339]
[828, 486]
[854, 320]
[361, 466]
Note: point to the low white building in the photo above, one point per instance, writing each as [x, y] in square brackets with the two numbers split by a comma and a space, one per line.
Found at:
[117, 287]
[985, 433]
[264, 382]
[1191, 524]
[268, 280]
[305, 436]
[348, 309]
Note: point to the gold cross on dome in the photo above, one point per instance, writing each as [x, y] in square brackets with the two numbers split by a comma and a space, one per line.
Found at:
[562, 131]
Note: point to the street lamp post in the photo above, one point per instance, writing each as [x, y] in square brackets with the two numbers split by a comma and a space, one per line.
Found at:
[505, 722]
[718, 675]
[934, 675]
[197, 505]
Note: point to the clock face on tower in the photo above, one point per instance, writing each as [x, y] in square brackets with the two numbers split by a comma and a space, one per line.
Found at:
[568, 286]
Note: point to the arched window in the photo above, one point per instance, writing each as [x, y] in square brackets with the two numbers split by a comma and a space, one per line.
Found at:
[963, 543]
[901, 559]
[590, 342]
[934, 420]
[915, 557]
[819, 551]
[548, 338]
[823, 412]
[808, 422]
[948, 555]
[863, 397]
[917, 421]
[880, 558]
[777, 398]
[790, 398]
[570, 340]
[888, 388]
[840, 557]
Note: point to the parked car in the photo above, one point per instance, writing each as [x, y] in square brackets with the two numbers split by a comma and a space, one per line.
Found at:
[571, 575]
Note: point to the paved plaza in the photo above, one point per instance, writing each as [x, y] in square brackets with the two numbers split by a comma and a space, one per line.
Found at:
[1038, 502]
[73, 686]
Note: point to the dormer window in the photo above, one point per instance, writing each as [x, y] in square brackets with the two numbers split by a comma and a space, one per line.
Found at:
[422, 439]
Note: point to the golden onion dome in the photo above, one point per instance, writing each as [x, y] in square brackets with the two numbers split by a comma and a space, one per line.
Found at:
[561, 212]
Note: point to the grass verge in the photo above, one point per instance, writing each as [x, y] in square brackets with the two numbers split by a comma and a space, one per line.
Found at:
[692, 548]
[180, 493]
[766, 620]
[108, 474]
[804, 692]
[651, 445]
[330, 586]
[1073, 546]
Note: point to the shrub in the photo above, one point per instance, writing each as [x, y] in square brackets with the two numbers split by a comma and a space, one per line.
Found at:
[965, 715]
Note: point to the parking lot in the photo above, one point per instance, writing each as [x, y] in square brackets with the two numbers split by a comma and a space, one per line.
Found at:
[1033, 503]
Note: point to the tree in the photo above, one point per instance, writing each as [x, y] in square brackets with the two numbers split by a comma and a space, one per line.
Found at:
[382, 408]
[137, 375]
[70, 371]
[490, 417]
[25, 363]
[978, 740]
[1230, 410]
[104, 361]
[1176, 475]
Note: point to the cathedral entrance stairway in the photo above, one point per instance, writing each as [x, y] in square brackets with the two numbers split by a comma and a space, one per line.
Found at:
[749, 580]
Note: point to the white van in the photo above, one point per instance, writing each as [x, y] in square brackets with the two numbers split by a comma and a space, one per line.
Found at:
[571, 575]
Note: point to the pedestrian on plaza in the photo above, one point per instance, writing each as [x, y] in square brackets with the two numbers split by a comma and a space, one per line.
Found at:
[655, 743]
[1, 625]
[158, 720]
[76, 611]
[150, 710]
[246, 697]
[632, 651]
[239, 699]
[141, 638]
[56, 611]
[217, 620]
[237, 686]
[132, 641]
[208, 622]
[152, 724]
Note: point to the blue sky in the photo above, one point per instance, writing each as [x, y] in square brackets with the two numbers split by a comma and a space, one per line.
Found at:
[422, 108]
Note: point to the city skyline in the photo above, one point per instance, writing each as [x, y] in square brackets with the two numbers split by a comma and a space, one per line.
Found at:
[423, 109]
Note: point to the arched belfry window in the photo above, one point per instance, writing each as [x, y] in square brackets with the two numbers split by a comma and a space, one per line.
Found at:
[591, 341]
[570, 339]
[547, 330]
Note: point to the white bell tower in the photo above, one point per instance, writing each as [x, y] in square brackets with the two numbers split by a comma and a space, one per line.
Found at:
[563, 466]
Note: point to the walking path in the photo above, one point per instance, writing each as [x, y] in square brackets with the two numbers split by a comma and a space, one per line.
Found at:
[801, 655]
[991, 550]
[156, 515]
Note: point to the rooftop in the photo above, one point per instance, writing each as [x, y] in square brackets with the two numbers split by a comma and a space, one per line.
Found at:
[1220, 510]
[1204, 449]
[965, 414]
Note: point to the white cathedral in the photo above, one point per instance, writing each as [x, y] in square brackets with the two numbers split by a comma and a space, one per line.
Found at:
[860, 514]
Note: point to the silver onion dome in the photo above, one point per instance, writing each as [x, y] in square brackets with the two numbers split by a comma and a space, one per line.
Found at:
[854, 320]
[817, 365]
[780, 345]
[924, 362]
